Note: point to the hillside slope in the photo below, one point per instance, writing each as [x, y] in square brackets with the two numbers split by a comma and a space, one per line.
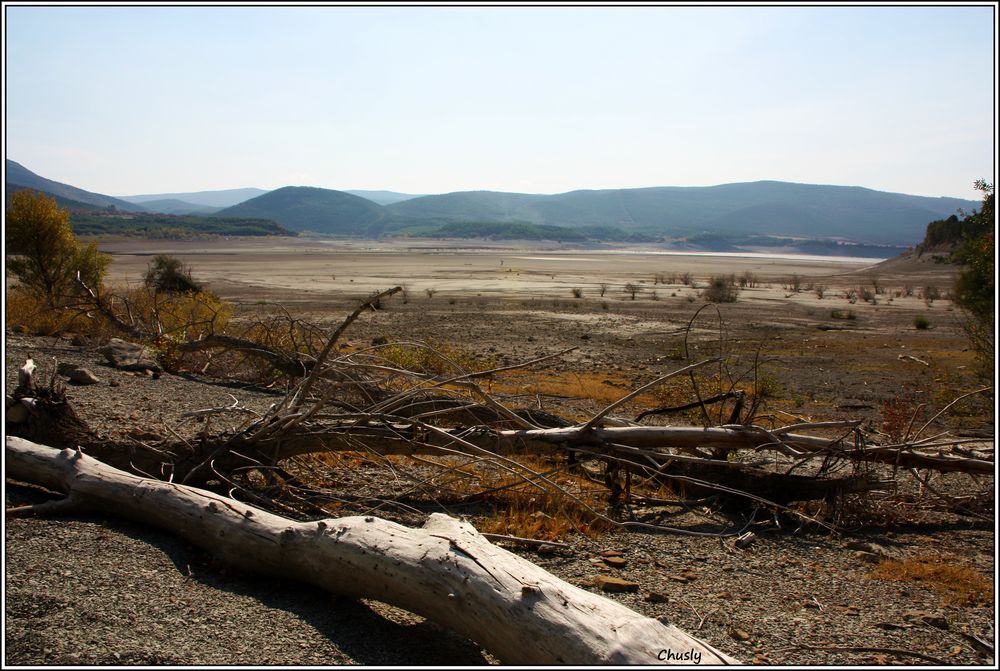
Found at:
[306, 208]
[774, 208]
[19, 176]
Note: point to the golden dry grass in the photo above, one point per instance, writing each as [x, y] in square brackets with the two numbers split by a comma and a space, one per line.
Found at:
[958, 584]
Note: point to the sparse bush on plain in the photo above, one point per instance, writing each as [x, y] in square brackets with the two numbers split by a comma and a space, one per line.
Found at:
[721, 289]
[930, 293]
[169, 275]
[920, 322]
[748, 280]
[577, 292]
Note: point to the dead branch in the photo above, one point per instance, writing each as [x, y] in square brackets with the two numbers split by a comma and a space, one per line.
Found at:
[445, 571]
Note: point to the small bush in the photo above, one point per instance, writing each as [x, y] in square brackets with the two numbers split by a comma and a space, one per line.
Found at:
[168, 274]
[721, 289]
[842, 314]
[920, 322]
[577, 292]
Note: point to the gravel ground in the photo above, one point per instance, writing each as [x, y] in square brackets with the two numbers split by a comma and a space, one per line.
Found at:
[84, 590]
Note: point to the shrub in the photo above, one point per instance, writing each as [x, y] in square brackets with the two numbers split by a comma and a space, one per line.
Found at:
[920, 322]
[45, 255]
[577, 292]
[169, 275]
[721, 289]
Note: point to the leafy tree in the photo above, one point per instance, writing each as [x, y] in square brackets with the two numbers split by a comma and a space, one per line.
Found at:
[168, 274]
[974, 288]
[46, 255]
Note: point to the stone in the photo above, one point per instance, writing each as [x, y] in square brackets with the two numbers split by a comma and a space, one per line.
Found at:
[127, 356]
[657, 597]
[610, 584]
[82, 376]
[871, 549]
[739, 634]
[617, 562]
[927, 617]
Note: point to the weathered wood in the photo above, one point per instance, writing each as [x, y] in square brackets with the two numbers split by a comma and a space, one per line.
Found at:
[445, 571]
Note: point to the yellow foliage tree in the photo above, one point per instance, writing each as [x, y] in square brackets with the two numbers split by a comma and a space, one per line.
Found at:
[46, 254]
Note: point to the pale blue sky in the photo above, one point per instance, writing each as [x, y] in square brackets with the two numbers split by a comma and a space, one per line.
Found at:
[129, 100]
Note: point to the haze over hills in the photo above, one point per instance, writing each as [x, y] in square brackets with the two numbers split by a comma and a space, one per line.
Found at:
[726, 216]
[382, 197]
[218, 199]
[18, 177]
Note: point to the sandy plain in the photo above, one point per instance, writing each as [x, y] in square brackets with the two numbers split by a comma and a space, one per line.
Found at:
[510, 270]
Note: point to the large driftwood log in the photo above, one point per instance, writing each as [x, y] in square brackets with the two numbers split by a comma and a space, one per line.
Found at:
[445, 571]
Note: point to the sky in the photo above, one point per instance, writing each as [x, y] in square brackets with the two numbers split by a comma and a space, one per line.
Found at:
[420, 99]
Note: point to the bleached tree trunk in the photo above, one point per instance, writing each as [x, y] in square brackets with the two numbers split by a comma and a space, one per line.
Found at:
[445, 571]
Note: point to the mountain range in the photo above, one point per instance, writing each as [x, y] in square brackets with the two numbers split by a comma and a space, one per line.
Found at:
[765, 208]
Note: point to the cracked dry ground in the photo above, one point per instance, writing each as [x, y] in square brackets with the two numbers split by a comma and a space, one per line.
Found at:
[91, 589]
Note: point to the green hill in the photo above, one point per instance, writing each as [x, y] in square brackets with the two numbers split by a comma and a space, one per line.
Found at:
[17, 174]
[305, 208]
[765, 208]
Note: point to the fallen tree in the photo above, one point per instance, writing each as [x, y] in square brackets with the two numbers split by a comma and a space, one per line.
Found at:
[445, 571]
[363, 402]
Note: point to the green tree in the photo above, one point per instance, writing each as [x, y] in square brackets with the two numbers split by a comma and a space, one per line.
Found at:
[168, 274]
[974, 290]
[46, 255]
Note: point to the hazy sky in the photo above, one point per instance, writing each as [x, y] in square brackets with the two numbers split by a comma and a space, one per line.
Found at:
[130, 100]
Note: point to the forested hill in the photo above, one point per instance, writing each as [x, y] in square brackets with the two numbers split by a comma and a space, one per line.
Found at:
[306, 208]
[767, 208]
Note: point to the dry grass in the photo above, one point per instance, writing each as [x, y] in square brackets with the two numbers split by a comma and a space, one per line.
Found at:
[600, 387]
[545, 515]
[959, 585]
[28, 312]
